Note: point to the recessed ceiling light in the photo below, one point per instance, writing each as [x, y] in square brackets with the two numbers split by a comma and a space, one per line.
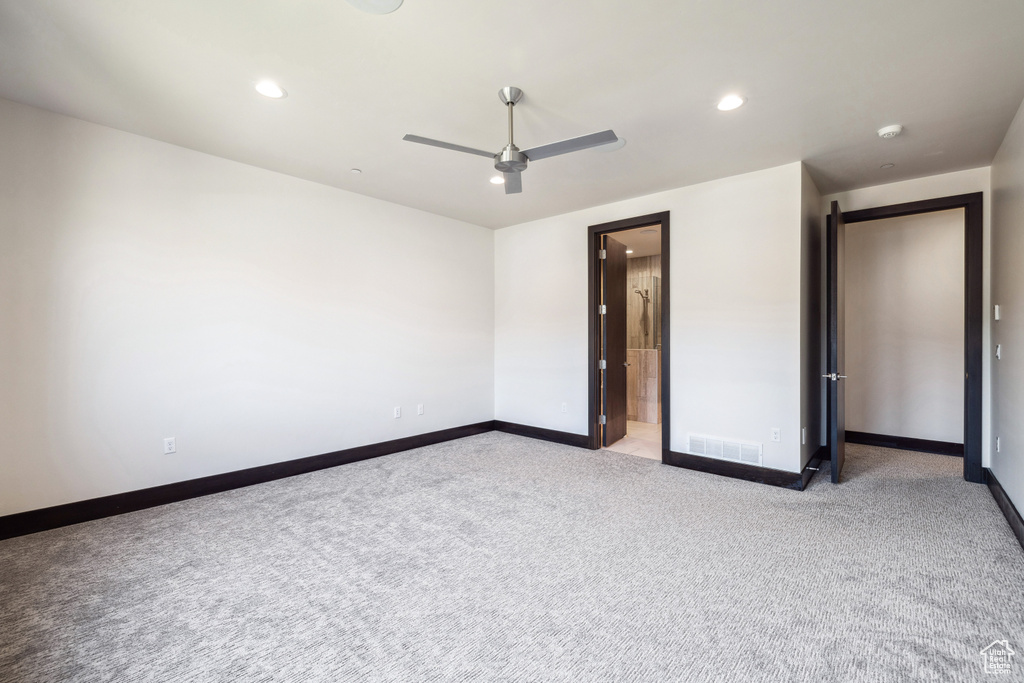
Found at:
[629, 251]
[355, 171]
[268, 88]
[497, 180]
[887, 166]
[376, 6]
[611, 146]
[730, 102]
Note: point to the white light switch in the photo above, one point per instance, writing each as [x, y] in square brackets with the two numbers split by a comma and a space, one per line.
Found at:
[996, 313]
[999, 351]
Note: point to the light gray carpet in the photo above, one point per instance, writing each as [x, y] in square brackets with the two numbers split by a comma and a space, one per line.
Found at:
[500, 558]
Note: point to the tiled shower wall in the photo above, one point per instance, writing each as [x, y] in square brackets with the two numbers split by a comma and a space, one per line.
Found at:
[643, 392]
[643, 273]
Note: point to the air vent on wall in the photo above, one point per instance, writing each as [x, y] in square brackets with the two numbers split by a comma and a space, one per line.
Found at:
[751, 453]
[748, 452]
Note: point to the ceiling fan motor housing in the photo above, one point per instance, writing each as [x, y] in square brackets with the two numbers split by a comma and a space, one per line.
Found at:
[510, 160]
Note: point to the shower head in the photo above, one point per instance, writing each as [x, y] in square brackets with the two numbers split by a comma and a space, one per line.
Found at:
[643, 294]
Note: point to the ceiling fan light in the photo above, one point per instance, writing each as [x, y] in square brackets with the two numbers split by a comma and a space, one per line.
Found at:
[376, 6]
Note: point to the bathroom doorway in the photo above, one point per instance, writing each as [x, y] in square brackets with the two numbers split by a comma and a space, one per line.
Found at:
[629, 336]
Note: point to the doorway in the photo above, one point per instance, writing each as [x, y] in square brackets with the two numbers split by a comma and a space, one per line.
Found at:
[629, 336]
[905, 333]
[836, 368]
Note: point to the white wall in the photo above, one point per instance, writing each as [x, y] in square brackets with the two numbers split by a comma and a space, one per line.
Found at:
[905, 326]
[735, 312]
[811, 318]
[1008, 292]
[149, 291]
[944, 185]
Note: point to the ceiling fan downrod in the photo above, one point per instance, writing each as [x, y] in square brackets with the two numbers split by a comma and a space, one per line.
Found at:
[511, 106]
[510, 159]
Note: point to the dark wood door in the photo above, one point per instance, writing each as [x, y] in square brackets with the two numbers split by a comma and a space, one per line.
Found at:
[836, 375]
[613, 284]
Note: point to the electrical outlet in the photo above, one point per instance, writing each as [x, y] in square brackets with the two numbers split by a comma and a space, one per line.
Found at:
[419, 408]
[170, 446]
[996, 316]
[803, 435]
[565, 408]
[776, 434]
[999, 351]
[398, 411]
[997, 444]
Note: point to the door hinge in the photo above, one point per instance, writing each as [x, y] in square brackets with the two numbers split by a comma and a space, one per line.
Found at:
[602, 309]
[602, 419]
[602, 254]
[602, 365]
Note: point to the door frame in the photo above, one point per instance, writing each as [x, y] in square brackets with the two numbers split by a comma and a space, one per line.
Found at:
[974, 306]
[593, 322]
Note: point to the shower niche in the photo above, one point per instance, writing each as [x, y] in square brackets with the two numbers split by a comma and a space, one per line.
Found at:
[643, 339]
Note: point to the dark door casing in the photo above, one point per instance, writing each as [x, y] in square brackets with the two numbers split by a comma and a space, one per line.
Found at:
[595, 324]
[974, 307]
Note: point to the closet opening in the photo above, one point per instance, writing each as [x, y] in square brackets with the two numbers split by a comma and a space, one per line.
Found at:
[964, 213]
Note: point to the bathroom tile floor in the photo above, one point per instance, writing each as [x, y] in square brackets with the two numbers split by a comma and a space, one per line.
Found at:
[642, 439]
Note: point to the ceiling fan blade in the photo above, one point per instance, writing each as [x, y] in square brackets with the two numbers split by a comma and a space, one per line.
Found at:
[513, 183]
[570, 145]
[448, 145]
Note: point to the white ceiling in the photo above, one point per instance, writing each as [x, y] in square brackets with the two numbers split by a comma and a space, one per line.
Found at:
[820, 77]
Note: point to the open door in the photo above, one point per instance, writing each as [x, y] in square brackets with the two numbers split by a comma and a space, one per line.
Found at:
[613, 340]
[836, 347]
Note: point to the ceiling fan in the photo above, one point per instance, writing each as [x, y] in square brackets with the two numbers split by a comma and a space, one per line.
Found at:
[512, 161]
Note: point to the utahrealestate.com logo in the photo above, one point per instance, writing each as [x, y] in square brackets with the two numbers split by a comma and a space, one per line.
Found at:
[998, 657]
